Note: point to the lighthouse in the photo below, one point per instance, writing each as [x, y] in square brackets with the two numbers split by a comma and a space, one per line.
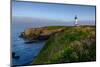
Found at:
[76, 21]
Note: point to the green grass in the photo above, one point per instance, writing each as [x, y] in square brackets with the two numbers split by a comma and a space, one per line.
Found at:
[55, 27]
[74, 44]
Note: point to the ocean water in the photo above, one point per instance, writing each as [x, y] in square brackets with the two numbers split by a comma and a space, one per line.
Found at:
[28, 52]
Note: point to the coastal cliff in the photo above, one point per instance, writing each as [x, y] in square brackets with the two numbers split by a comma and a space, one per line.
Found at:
[74, 44]
[64, 44]
[38, 34]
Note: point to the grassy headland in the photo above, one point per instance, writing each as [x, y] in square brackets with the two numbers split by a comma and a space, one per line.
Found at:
[74, 44]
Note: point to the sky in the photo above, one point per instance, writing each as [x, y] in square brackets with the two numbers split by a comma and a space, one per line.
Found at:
[64, 12]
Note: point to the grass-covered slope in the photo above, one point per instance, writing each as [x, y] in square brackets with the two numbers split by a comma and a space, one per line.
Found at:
[74, 44]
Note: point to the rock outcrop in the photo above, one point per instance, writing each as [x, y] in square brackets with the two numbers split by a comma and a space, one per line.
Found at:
[36, 34]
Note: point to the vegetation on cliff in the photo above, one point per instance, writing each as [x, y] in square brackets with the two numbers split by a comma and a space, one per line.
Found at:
[73, 44]
[36, 34]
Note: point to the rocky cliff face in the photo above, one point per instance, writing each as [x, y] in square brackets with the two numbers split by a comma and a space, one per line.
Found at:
[35, 34]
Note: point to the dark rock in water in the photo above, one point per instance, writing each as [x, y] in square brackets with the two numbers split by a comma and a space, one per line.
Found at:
[17, 57]
[29, 42]
[14, 56]
[21, 35]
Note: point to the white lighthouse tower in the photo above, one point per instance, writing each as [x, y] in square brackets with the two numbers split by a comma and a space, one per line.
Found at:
[76, 21]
